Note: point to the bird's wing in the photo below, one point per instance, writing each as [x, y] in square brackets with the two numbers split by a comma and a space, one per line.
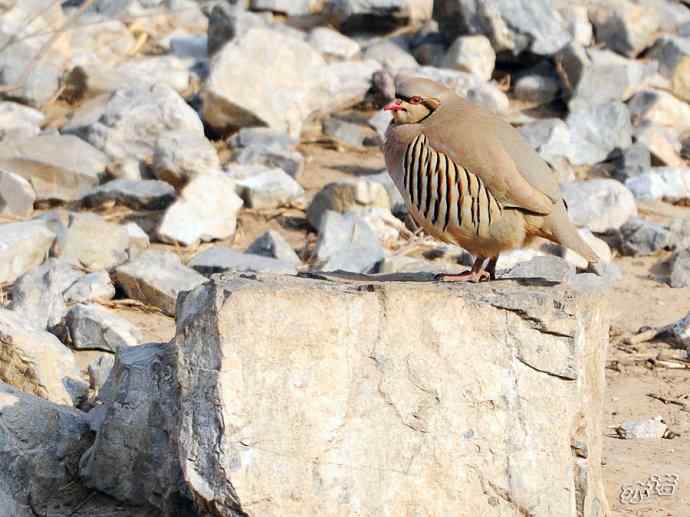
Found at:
[483, 144]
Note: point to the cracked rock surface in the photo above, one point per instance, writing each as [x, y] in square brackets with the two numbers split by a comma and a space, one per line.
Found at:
[402, 398]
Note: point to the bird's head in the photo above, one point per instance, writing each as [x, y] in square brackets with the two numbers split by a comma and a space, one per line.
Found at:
[415, 99]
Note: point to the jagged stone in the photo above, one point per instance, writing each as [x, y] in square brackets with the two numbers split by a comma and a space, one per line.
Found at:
[219, 259]
[554, 357]
[92, 327]
[23, 246]
[156, 278]
[35, 362]
[273, 244]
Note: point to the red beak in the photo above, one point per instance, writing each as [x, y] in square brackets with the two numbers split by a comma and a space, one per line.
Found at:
[393, 106]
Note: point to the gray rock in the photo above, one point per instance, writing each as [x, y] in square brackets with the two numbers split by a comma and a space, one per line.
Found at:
[680, 233]
[138, 239]
[191, 48]
[670, 183]
[593, 76]
[633, 161]
[271, 188]
[639, 237]
[296, 86]
[85, 245]
[262, 137]
[139, 195]
[17, 196]
[144, 71]
[577, 22]
[624, 26]
[376, 15]
[138, 406]
[36, 362]
[551, 269]
[391, 54]
[94, 287]
[333, 45]
[599, 204]
[220, 259]
[102, 40]
[346, 196]
[272, 155]
[680, 269]
[663, 142]
[347, 243]
[398, 205]
[43, 443]
[669, 51]
[660, 108]
[43, 82]
[289, 7]
[513, 25]
[383, 86]
[472, 54]
[38, 296]
[346, 132]
[672, 15]
[181, 155]
[652, 429]
[273, 244]
[597, 131]
[99, 370]
[550, 137]
[133, 119]
[680, 331]
[227, 22]
[18, 121]
[537, 88]
[383, 223]
[61, 167]
[156, 278]
[23, 246]
[92, 327]
[206, 209]
[380, 122]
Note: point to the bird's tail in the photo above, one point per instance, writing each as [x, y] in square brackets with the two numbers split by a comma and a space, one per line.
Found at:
[559, 229]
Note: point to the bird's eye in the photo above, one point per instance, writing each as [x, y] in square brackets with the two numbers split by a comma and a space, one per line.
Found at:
[415, 100]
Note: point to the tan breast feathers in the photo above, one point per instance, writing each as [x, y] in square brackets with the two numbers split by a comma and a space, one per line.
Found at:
[444, 193]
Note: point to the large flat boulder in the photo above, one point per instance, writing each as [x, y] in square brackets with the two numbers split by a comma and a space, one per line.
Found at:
[407, 398]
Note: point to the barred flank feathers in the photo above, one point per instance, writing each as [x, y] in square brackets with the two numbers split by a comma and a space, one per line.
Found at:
[441, 190]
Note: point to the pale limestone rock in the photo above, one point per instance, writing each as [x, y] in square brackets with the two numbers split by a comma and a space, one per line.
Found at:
[347, 196]
[61, 167]
[599, 204]
[624, 26]
[659, 108]
[472, 54]
[368, 404]
[332, 44]
[85, 245]
[156, 278]
[36, 362]
[181, 155]
[17, 196]
[19, 121]
[269, 78]
[206, 209]
[23, 246]
[127, 126]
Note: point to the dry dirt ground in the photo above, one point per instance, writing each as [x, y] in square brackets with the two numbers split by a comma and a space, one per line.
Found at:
[634, 377]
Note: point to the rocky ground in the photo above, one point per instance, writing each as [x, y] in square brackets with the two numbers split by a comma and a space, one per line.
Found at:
[147, 145]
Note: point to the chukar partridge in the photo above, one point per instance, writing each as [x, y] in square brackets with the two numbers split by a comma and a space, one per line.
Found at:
[469, 178]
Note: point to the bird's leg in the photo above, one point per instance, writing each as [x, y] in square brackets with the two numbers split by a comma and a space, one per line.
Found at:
[474, 275]
[491, 268]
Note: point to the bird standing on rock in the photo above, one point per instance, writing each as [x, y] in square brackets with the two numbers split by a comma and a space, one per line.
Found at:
[469, 178]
